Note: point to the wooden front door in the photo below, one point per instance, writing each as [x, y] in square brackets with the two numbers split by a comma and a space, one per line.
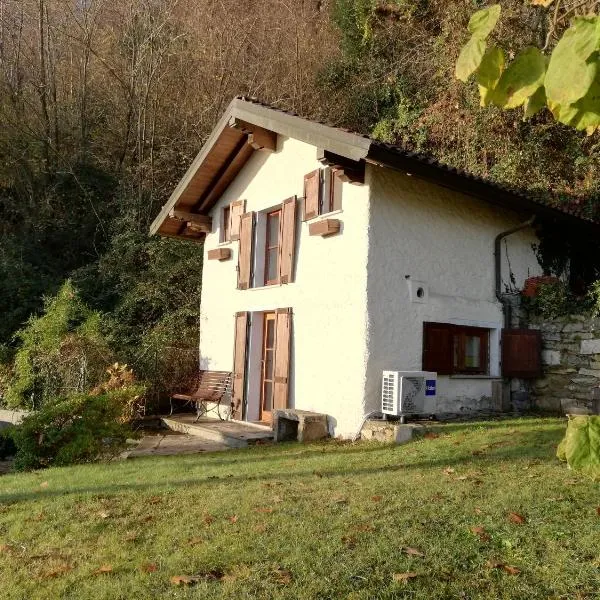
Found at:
[268, 367]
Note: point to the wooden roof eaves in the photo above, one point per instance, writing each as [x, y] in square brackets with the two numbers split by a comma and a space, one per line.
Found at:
[191, 172]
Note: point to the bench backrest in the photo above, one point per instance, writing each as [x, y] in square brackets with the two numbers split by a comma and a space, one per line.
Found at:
[213, 385]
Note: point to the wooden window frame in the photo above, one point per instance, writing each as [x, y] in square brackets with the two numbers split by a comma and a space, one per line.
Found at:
[458, 336]
[267, 247]
[226, 224]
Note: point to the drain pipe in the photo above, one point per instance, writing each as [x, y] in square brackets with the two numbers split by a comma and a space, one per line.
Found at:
[506, 306]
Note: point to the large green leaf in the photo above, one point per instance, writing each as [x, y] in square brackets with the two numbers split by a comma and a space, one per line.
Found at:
[581, 444]
[523, 77]
[470, 58]
[583, 114]
[489, 73]
[570, 72]
[535, 103]
[482, 23]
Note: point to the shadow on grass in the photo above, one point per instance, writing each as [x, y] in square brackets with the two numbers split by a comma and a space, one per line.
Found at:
[539, 445]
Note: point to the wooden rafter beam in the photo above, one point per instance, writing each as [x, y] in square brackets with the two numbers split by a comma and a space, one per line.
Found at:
[258, 137]
[353, 171]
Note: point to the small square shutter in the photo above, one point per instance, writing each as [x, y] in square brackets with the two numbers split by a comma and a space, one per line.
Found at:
[312, 194]
[245, 250]
[283, 330]
[521, 353]
[335, 189]
[438, 351]
[287, 242]
[236, 210]
[239, 364]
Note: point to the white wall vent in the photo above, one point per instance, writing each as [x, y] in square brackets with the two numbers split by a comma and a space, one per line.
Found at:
[403, 393]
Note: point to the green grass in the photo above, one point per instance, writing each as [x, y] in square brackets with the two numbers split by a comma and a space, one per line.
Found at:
[341, 514]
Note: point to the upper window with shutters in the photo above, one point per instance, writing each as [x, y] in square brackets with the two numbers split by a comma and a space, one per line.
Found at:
[322, 192]
[267, 246]
[231, 216]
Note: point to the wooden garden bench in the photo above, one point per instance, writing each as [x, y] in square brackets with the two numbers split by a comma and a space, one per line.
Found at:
[211, 392]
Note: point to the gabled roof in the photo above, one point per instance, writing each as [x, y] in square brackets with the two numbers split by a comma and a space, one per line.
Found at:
[249, 125]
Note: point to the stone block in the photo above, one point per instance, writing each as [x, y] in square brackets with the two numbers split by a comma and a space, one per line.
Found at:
[590, 373]
[551, 357]
[303, 425]
[590, 346]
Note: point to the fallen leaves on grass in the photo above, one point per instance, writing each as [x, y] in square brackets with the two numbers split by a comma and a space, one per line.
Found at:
[183, 580]
[260, 528]
[480, 532]
[103, 570]
[104, 514]
[507, 568]
[516, 518]
[340, 500]
[412, 552]
[194, 541]
[149, 568]
[449, 471]
[376, 498]
[403, 577]
[130, 536]
[277, 499]
[208, 519]
[430, 435]
[349, 541]
[282, 576]
[6, 548]
[263, 510]
[44, 485]
[61, 569]
[318, 474]
[233, 519]
[155, 500]
[598, 511]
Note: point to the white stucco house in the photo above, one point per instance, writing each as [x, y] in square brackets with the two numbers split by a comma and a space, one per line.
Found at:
[330, 257]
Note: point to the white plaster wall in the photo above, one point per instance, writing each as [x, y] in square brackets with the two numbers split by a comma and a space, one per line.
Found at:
[445, 240]
[328, 296]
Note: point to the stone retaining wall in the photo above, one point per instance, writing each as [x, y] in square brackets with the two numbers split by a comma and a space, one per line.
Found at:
[571, 359]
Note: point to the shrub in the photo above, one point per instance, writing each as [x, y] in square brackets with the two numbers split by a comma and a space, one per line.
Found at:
[555, 299]
[78, 429]
[61, 352]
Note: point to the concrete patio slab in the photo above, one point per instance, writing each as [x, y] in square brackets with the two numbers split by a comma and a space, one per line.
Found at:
[170, 445]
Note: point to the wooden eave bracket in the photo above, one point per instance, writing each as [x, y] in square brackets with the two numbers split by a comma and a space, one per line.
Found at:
[258, 137]
[219, 254]
[194, 222]
[348, 170]
[324, 227]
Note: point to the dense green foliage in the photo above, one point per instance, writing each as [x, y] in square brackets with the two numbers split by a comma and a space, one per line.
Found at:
[80, 428]
[63, 351]
[580, 447]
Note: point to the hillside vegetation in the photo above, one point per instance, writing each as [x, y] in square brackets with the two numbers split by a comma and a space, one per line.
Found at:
[103, 105]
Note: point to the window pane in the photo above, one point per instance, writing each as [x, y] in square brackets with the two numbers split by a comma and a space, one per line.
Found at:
[272, 264]
[270, 333]
[472, 352]
[273, 229]
[269, 364]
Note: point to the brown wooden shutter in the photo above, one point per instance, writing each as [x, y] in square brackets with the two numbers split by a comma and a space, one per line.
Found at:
[312, 194]
[245, 250]
[239, 365]
[283, 330]
[438, 348]
[236, 210]
[335, 189]
[287, 241]
[521, 353]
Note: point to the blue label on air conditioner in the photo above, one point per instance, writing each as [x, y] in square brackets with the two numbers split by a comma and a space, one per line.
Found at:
[430, 387]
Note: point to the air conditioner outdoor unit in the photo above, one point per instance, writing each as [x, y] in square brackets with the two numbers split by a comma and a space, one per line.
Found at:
[403, 393]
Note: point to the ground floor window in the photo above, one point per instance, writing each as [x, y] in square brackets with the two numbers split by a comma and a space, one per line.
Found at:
[456, 349]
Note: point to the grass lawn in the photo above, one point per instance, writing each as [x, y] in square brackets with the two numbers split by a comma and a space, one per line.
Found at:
[327, 520]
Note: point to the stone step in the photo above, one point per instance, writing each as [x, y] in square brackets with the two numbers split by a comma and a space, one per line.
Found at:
[232, 433]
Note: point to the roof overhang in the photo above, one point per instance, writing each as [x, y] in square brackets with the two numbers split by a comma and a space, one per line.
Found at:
[246, 127]
[249, 126]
